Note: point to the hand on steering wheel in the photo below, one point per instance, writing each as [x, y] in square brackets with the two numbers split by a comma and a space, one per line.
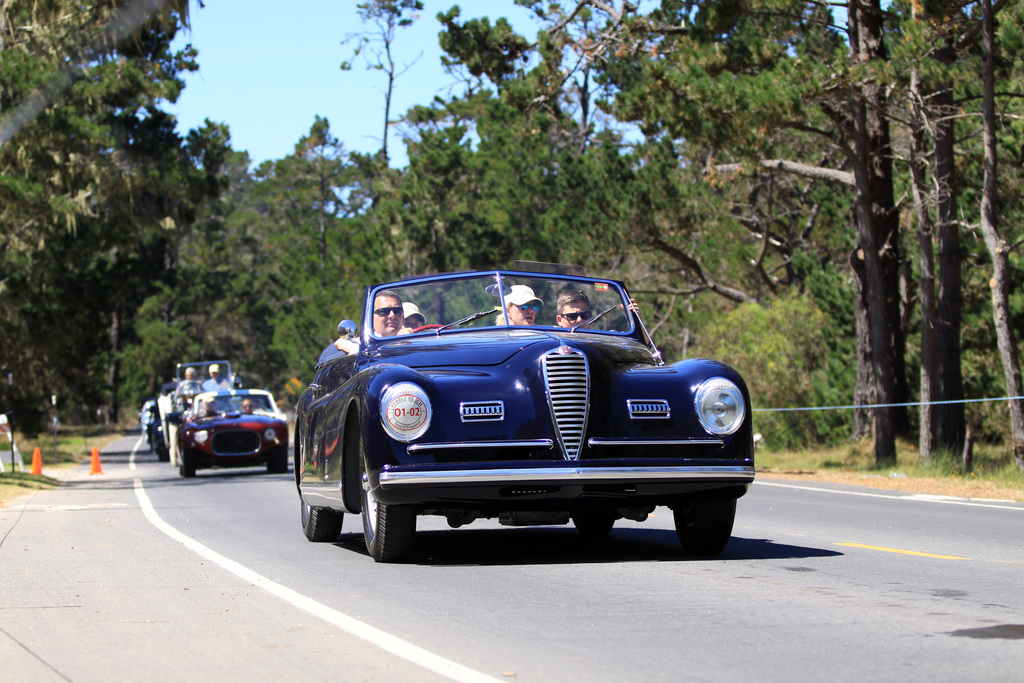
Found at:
[424, 328]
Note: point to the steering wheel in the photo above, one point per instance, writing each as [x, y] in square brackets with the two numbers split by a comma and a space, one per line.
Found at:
[424, 328]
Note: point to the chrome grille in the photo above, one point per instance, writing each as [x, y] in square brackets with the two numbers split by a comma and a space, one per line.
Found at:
[235, 443]
[565, 373]
[482, 411]
[643, 409]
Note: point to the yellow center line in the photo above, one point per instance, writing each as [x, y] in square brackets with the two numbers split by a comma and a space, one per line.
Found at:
[902, 552]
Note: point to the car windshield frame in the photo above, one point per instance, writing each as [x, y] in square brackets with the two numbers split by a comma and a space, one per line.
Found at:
[480, 300]
[231, 401]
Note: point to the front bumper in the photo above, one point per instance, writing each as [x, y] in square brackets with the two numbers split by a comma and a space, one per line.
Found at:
[561, 484]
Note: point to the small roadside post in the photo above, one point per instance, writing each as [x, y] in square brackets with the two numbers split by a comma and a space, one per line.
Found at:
[6, 429]
[53, 400]
[85, 425]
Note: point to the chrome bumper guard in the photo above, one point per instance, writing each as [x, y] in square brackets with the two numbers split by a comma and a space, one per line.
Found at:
[740, 474]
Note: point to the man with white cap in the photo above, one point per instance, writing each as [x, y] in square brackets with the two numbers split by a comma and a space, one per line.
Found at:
[215, 383]
[413, 317]
[523, 306]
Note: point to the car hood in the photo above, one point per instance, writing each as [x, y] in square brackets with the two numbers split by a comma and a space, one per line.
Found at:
[495, 347]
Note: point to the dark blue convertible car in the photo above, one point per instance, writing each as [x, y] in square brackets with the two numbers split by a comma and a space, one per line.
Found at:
[532, 398]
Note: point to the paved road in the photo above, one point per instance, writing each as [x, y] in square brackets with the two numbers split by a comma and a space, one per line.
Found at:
[139, 573]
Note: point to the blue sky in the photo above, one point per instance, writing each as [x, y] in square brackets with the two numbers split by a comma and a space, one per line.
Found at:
[268, 68]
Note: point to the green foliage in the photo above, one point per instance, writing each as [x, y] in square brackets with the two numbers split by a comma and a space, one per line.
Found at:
[298, 248]
[632, 144]
[744, 69]
[487, 185]
[781, 351]
[91, 176]
[480, 48]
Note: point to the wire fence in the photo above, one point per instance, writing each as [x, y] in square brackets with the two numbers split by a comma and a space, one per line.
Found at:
[886, 405]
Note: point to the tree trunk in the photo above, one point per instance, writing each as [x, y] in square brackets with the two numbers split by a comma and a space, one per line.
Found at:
[685, 350]
[949, 417]
[877, 232]
[390, 69]
[918, 169]
[967, 459]
[114, 369]
[864, 390]
[1000, 282]
[324, 189]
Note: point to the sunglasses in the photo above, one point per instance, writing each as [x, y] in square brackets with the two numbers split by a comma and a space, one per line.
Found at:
[571, 317]
[388, 310]
[532, 306]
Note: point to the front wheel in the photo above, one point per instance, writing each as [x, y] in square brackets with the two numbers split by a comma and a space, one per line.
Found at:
[277, 460]
[594, 524]
[187, 466]
[320, 524]
[388, 530]
[705, 526]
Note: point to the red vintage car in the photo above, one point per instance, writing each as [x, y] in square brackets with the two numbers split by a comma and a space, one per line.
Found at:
[238, 428]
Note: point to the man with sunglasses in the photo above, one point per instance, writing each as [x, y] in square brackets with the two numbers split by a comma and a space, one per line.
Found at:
[388, 319]
[573, 308]
[388, 313]
[523, 306]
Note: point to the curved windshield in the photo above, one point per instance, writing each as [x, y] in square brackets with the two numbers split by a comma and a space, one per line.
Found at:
[499, 299]
[237, 402]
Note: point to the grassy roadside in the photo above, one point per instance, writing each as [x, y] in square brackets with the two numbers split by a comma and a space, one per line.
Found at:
[74, 446]
[992, 475]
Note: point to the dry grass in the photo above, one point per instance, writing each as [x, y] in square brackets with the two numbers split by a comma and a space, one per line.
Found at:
[14, 484]
[73, 447]
[993, 475]
[958, 488]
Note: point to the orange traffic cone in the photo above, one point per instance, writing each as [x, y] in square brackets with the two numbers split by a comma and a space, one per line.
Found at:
[37, 461]
[97, 468]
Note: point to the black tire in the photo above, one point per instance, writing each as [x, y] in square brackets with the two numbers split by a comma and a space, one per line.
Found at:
[187, 466]
[594, 524]
[320, 524]
[388, 530]
[162, 454]
[277, 460]
[705, 526]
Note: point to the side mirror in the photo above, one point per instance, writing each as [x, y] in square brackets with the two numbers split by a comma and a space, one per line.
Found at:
[237, 382]
[347, 329]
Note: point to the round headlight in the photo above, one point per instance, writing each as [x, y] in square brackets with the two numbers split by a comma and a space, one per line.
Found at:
[405, 412]
[270, 434]
[720, 406]
[202, 435]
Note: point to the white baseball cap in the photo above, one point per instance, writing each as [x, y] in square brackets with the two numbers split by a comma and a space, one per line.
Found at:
[521, 294]
[409, 308]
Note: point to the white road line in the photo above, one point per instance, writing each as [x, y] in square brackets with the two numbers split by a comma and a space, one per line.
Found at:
[920, 498]
[131, 458]
[385, 641]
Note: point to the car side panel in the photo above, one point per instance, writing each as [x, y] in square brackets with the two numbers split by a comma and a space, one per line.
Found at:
[337, 388]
